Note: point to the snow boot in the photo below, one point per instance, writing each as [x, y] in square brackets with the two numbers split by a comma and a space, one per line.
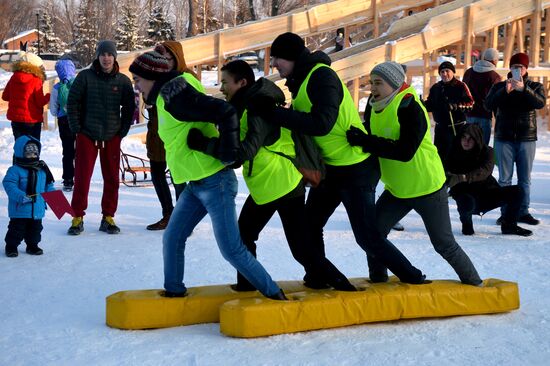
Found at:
[11, 252]
[278, 296]
[467, 228]
[173, 294]
[34, 250]
[514, 229]
[398, 227]
[528, 219]
[77, 226]
[108, 225]
[68, 185]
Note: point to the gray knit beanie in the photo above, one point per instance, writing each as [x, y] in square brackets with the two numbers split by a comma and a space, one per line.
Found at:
[105, 47]
[490, 54]
[392, 72]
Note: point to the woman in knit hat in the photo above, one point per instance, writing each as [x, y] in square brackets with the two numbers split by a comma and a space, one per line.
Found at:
[399, 135]
[173, 53]
[212, 187]
[25, 96]
[448, 101]
[515, 102]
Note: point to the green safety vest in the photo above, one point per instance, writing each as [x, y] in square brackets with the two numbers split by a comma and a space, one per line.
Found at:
[421, 175]
[334, 146]
[184, 163]
[270, 176]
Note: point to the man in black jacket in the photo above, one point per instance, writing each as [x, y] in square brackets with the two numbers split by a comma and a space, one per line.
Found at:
[515, 101]
[475, 190]
[100, 108]
[323, 108]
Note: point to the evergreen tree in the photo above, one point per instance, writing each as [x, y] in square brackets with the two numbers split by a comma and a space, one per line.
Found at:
[160, 29]
[127, 35]
[86, 32]
[48, 41]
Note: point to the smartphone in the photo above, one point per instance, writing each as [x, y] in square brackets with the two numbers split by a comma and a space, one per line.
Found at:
[516, 74]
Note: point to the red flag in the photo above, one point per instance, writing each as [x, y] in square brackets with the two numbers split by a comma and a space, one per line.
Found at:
[58, 203]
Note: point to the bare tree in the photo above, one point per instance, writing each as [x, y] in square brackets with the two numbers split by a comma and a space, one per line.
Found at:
[193, 27]
[17, 16]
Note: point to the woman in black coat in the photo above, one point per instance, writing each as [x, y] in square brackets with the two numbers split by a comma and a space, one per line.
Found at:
[469, 169]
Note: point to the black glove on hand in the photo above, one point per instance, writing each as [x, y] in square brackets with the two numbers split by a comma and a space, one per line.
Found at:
[356, 137]
[454, 179]
[453, 107]
[196, 140]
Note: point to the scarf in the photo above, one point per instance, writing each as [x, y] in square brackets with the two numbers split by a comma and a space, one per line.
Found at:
[379, 105]
[33, 166]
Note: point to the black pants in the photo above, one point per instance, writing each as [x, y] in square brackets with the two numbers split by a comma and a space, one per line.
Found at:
[358, 201]
[158, 176]
[291, 209]
[509, 197]
[434, 211]
[28, 229]
[68, 143]
[23, 128]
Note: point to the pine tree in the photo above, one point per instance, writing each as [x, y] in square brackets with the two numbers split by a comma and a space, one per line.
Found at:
[48, 41]
[160, 29]
[127, 36]
[86, 32]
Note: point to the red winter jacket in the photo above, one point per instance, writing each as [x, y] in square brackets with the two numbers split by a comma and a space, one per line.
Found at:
[24, 93]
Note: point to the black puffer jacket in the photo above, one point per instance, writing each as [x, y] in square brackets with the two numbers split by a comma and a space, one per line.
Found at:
[476, 164]
[101, 105]
[516, 118]
[185, 103]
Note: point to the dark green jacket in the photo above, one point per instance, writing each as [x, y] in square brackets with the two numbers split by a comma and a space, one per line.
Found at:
[101, 105]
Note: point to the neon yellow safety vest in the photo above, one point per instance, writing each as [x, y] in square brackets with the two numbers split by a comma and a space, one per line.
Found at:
[334, 146]
[184, 163]
[421, 175]
[270, 176]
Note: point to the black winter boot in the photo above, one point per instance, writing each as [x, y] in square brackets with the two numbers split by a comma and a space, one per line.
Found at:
[11, 252]
[514, 229]
[467, 228]
[34, 250]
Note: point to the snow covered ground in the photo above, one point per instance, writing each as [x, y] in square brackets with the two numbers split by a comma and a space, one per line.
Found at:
[52, 308]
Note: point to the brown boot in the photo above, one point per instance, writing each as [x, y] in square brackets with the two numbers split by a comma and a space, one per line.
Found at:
[160, 225]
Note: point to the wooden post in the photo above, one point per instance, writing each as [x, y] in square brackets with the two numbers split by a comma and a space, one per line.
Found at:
[546, 46]
[468, 37]
[375, 19]
[536, 23]
[509, 47]
[221, 58]
[267, 61]
[520, 35]
[355, 92]
[198, 71]
[493, 42]
[390, 51]
[426, 72]
[347, 43]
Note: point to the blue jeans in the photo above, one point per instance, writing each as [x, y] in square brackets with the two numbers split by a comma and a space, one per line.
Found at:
[522, 154]
[214, 195]
[485, 124]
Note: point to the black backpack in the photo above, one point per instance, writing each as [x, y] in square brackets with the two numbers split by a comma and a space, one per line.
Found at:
[308, 160]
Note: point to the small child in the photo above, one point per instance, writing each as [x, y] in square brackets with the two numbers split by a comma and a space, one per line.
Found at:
[66, 72]
[24, 182]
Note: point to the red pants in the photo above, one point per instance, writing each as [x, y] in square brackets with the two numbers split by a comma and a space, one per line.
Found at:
[85, 157]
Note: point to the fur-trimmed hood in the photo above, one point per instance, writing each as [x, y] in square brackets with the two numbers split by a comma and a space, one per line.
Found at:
[29, 68]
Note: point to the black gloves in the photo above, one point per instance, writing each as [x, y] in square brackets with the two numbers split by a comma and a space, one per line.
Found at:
[197, 141]
[454, 179]
[356, 137]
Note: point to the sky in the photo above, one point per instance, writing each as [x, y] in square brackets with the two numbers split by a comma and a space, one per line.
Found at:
[52, 307]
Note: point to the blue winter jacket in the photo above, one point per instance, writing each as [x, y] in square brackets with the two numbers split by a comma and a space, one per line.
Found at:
[15, 185]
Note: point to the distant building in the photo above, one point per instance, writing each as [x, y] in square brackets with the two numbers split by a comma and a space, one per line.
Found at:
[29, 36]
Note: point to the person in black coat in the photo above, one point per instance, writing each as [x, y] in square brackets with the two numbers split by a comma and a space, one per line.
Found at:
[515, 101]
[448, 101]
[474, 189]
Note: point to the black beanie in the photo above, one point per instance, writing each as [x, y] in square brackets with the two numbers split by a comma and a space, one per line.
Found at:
[106, 47]
[446, 65]
[150, 65]
[288, 46]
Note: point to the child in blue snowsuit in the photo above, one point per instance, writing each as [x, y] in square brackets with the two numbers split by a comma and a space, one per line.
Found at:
[24, 182]
[66, 72]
